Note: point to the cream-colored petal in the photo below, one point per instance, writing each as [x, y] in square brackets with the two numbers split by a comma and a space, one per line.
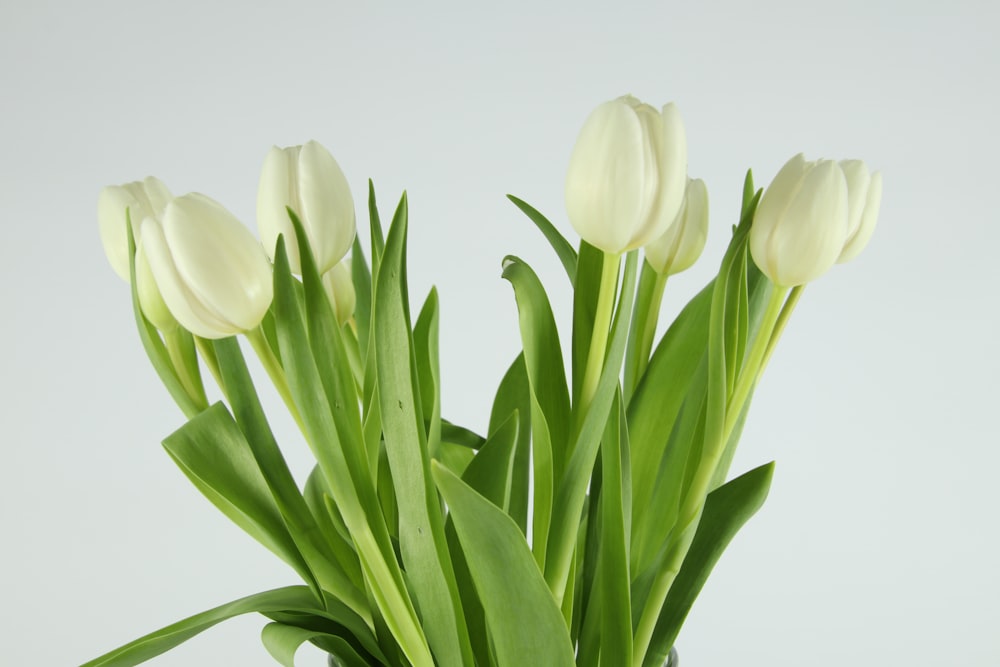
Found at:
[327, 205]
[274, 193]
[856, 173]
[869, 217]
[150, 300]
[606, 179]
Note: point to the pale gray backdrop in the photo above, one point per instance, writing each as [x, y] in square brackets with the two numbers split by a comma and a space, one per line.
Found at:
[878, 543]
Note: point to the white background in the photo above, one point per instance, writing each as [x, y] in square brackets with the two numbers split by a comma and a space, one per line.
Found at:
[878, 543]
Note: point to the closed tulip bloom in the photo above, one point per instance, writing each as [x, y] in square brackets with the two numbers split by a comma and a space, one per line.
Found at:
[339, 285]
[627, 174]
[681, 245]
[800, 225]
[864, 196]
[143, 199]
[211, 271]
[150, 300]
[309, 181]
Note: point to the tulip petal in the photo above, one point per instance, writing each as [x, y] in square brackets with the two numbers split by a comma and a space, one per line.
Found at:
[856, 173]
[771, 210]
[219, 261]
[671, 154]
[813, 227]
[857, 242]
[274, 193]
[606, 177]
[327, 207]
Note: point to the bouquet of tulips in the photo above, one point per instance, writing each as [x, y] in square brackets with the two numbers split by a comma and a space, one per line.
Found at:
[580, 524]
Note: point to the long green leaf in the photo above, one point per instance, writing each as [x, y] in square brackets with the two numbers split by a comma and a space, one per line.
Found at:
[513, 397]
[283, 642]
[616, 608]
[726, 510]
[315, 548]
[422, 541]
[292, 598]
[565, 251]
[344, 467]
[211, 450]
[498, 555]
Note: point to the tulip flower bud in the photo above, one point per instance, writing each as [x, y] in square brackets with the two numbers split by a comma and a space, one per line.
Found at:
[684, 240]
[308, 180]
[150, 300]
[800, 225]
[864, 195]
[212, 272]
[143, 199]
[627, 174]
[339, 286]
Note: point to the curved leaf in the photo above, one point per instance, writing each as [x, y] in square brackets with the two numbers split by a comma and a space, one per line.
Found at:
[566, 253]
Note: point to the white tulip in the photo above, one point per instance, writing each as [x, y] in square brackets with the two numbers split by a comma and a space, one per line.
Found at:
[627, 174]
[684, 240]
[150, 300]
[800, 226]
[143, 199]
[864, 195]
[309, 181]
[339, 285]
[212, 272]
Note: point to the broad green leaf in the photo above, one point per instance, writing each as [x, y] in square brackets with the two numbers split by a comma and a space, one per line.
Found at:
[212, 452]
[572, 491]
[361, 278]
[316, 547]
[292, 598]
[513, 396]
[459, 435]
[662, 391]
[344, 467]
[558, 242]
[489, 475]
[726, 510]
[616, 616]
[498, 555]
[542, 355]
[331, 524]
[422, 540]
[428, 369]
[283, 642]
[455, 458]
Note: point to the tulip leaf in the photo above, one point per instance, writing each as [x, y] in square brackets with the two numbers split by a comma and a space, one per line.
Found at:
[572, 492]
[644, 310]
[498, 555]
[656, 404]
[586, 287]
[286, 600]
[428, 369]
[422, 540]
[250, 417]
[361, 278]
[613, 575]
[565, 251]
[727, 509]
[212, 452]
[513, 397]
[283, 642]
[347, 476]
[549, 395]
[459, 435]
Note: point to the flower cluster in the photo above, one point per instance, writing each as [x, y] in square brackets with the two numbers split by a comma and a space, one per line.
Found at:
[198, 266]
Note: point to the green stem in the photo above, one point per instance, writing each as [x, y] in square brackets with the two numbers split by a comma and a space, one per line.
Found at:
[207, 352]
[694, 500]
[599, 333]
[649, 331]
[274, 370]
[779, 327]
[754, 364]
